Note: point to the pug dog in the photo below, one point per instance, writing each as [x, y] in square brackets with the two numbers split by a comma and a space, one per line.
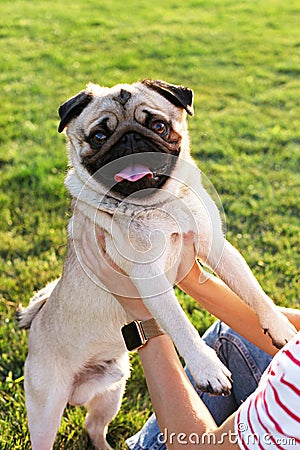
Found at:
[132, 174]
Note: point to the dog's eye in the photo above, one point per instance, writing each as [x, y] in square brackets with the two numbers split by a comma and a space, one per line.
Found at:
[160, 127]
[97, 139]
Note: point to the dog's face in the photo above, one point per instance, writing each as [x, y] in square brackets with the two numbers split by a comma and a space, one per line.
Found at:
[128, 137]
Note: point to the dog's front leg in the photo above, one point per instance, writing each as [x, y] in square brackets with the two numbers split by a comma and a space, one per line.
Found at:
[158, 295]
[229, 264]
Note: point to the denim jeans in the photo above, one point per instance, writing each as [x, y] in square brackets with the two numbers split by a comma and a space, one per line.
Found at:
[246, 363]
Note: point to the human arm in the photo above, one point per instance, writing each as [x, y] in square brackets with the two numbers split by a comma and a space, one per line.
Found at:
[182, 416]
[219, 300]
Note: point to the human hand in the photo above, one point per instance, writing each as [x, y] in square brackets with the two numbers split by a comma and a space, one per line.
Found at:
[116, 281]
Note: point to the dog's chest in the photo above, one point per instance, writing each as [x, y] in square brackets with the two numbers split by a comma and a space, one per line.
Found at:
[147, 238]
[152, 227]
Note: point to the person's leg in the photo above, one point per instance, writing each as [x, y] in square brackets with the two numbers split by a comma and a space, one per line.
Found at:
[246, 363]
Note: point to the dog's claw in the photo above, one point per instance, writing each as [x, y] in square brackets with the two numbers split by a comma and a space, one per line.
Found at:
[211, 375]
[280, 331]
[225, 391]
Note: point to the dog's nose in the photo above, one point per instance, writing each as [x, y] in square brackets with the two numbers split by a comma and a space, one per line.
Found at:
[130, 139]
[131, 143]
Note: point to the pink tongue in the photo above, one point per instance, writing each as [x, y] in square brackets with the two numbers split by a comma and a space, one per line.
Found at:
[133, 173]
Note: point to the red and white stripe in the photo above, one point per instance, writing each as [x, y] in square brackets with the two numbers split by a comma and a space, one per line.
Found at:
[270, 417]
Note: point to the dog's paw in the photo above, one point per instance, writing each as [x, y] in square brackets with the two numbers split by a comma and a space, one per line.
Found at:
[280, 329]
[210, 374]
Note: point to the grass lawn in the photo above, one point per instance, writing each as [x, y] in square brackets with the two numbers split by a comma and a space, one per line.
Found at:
[243, 61]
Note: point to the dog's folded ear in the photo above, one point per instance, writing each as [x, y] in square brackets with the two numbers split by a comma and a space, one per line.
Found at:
[180, 96]
[73, 108]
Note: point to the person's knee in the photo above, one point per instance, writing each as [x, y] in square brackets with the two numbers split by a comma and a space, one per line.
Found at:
[213, 333]
[224, 340]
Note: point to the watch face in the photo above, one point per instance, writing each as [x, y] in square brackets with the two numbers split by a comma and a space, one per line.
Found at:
[133, 336]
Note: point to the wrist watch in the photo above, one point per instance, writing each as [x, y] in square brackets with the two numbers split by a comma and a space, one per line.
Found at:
[137, 333]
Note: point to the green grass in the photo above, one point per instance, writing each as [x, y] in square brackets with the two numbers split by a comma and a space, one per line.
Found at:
[243, 61]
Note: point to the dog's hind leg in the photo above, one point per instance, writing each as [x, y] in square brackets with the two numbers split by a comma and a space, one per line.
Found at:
[46, 398]
[101, 410]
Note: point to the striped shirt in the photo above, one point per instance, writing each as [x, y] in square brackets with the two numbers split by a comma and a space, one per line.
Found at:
[270, 417]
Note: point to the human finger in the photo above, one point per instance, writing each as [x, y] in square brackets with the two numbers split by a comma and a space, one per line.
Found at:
[188, 256]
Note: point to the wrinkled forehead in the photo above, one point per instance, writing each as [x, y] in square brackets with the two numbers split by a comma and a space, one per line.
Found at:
[127, 103]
